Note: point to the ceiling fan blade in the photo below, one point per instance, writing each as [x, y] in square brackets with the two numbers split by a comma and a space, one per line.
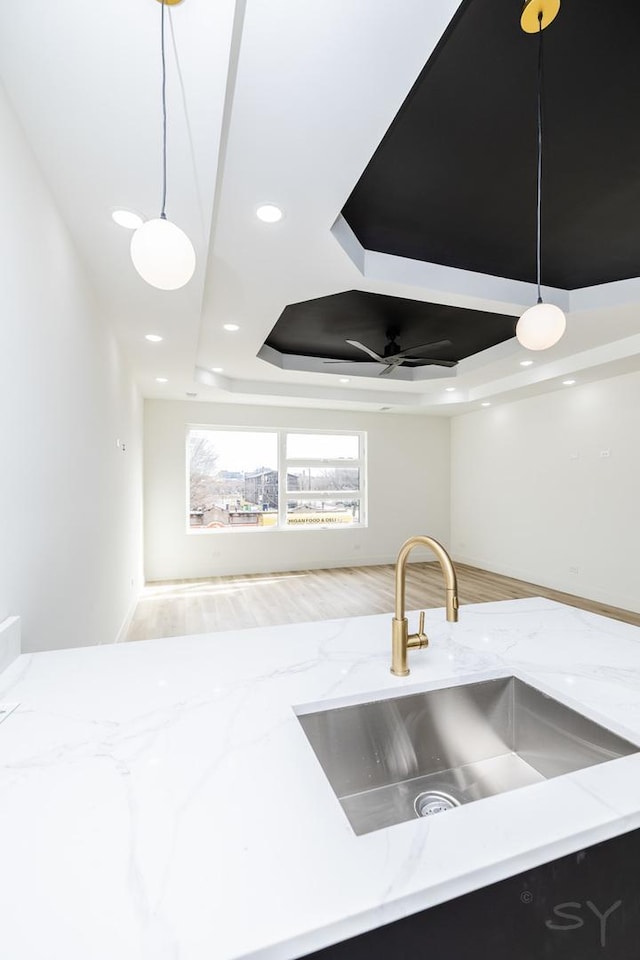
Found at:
[387, 370]
[361, 346]
[431, 362]
[422, 346]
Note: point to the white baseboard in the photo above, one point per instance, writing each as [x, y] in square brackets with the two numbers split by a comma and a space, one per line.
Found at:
[10, 643]
[573, 586]
[266, 567]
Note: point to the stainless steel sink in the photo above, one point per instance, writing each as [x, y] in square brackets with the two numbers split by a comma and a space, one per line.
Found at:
[424, 753]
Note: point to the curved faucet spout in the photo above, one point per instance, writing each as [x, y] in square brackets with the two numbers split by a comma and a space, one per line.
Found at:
[401, 639]
[445, 565]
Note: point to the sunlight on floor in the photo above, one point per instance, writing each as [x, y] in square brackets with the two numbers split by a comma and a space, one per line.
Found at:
[208, 588]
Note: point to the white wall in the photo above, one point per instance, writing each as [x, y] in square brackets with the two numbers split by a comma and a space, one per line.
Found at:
[70, 502]
[408, 493]
[532, 495]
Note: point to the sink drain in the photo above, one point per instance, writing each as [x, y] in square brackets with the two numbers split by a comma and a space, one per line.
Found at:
[434, 801]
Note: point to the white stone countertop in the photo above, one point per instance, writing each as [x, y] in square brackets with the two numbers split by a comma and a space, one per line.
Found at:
[160, 801]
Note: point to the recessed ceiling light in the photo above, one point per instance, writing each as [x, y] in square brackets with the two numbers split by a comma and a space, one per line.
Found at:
[526, 363]
[568, 383]
[269, 213]
[344, 380]
[153, 337]
[217, 369]
[127, 219]
[449, 389]
[485, 403]
[231, 327]
[161, 380]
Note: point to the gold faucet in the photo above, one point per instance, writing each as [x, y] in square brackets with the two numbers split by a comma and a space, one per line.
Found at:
[401, 639]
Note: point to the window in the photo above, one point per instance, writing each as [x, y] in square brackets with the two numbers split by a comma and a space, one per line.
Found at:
[256, 479]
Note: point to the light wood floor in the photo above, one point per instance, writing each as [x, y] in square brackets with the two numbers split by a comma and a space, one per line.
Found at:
[182, 607]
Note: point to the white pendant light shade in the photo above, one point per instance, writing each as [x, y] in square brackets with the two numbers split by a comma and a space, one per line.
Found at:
[541, 326]
[163, 255]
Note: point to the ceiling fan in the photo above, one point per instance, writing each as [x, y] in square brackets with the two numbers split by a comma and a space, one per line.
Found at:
[394, 356]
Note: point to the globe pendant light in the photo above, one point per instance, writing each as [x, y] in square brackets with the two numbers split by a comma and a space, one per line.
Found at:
[161, 252]
[542, 325]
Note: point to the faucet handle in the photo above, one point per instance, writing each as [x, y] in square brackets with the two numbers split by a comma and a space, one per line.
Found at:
[419, 639]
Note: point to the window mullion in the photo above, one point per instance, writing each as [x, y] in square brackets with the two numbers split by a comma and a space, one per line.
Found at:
[329, 464]
[324, 494]
[282, 478]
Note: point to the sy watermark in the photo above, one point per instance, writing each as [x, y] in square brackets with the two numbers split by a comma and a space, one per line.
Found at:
[573, 915]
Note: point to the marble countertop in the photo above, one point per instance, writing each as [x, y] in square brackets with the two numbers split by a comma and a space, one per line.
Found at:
[159, 800]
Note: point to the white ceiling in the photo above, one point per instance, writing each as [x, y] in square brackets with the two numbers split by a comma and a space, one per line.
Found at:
[281, 101]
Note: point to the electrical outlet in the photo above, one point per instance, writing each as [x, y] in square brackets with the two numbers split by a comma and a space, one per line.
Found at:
[605, 453]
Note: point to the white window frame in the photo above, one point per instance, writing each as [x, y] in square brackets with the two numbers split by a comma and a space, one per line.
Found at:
[284, 466]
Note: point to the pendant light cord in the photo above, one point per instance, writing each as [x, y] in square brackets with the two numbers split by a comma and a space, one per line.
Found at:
[539, 164]
[163, 215]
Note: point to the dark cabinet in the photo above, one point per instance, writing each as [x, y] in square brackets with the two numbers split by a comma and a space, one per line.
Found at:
[585, 906]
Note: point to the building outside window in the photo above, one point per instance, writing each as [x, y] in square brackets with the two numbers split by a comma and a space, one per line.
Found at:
[275, 478]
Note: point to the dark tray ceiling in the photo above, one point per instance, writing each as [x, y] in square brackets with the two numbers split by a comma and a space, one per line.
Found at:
[453, 181]
[320, 327]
